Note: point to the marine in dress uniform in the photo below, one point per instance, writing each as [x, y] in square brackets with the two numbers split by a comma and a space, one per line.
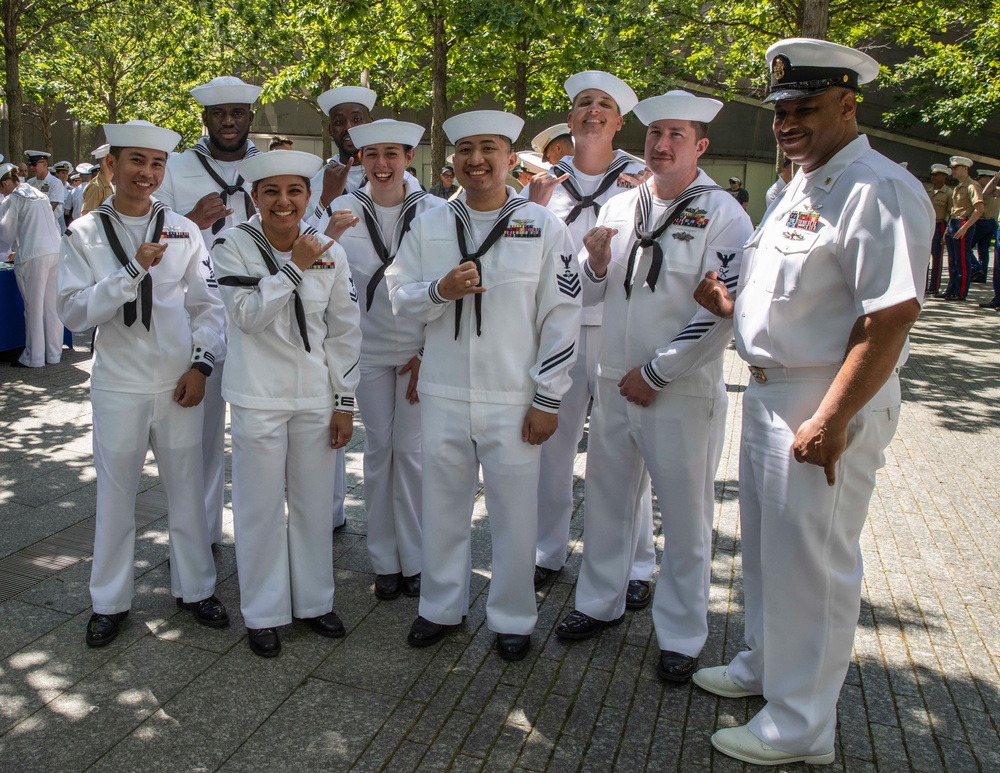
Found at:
[26, 219]
[347, 106]
[986, 227]
[494, 278]
[133, 269]
[941, 201]
[101, 186]
[661, 399]
[966, 209]
[47, 182]
[294, 343]
[990, 191]
[574, 190]
[831, 281]
[369, 225]
[204, 183]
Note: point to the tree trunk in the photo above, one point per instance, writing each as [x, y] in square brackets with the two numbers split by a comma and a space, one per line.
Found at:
[12, 72]
[325, 81]
[815, 18]
[521, 84]
[439, 92]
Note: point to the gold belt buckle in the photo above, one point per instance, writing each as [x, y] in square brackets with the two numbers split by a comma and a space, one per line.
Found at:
[758, 374]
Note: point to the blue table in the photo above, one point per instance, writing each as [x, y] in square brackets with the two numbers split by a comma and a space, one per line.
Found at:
[12, 313]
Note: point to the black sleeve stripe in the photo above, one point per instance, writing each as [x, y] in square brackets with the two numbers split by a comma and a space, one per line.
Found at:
[652, 377]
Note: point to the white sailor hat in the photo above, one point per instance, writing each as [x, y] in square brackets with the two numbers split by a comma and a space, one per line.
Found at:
[677, 105]
[61, 165]
[940, 169]
[533, 161]
[386, 130]
[478, 122]
[141, 134]
[101, 151]
[280, 162]
[35, 155]
[985, 173]
[344, 94]
[804, 67]
[541, 140]
[74, 176]
[226, 90]
[6, 169]
[1, 158]
[960, 161]
[614, 87]
[84, 168]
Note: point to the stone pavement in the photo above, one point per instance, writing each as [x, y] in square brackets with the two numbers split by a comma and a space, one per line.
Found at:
[923, 691]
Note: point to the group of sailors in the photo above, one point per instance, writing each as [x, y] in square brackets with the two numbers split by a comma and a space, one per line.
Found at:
[475, 333]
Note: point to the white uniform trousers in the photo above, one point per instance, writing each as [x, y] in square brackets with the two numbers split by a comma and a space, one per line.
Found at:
[340, 488]
[125, 425]
[678, 441]
[457, 437]
[285, 565]
[43, 330]
[213, 449]
[392, 470]
[802, 566]
[555, 487]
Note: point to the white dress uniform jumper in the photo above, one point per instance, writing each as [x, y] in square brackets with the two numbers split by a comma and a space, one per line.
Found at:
[152, 327]
[487, 359]
[392, 469]
[26, 218]
[294, 345]
[652, 322]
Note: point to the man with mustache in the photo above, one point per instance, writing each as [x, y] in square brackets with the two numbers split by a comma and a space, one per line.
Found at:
[831, 282]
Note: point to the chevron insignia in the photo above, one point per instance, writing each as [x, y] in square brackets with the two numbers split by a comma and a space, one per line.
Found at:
[569, 285]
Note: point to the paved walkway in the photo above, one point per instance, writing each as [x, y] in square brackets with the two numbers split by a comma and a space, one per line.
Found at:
[923, 692]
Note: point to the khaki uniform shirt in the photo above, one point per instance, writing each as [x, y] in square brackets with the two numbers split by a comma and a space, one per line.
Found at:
[965, 196]
[96, 192]
[941, 199]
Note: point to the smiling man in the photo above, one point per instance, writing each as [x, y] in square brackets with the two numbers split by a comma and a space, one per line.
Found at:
[204, 184]
[660, 410]
[133, 269]
[831, 282]
[574, 190]
[494, 279]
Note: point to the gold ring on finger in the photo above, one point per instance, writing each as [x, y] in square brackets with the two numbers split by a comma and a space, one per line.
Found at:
[468, 283]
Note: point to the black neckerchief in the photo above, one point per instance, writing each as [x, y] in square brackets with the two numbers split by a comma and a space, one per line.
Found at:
[650, 238]
[585, 202]
[375, 234]
[204, 155]
[109, 217]
[463, 223]
[267, 253]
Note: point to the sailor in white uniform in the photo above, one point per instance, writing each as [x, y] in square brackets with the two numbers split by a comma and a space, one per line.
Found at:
[46, 181]
[294, 343]
[575, 189]
[832, 280]
[369, 224]
[133, 269]
[346, 106]
[26, 219]
[661, 399]
[204, 183]
[495, 279]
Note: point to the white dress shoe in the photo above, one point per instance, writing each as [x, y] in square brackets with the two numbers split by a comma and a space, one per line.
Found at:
[716, 681]
[741, 744]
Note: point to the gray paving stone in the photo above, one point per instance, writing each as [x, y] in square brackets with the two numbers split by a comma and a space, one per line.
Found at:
[24, 623]
[605, 740]
[508, 746]
[449, 740]
[389, 736]
[546, 728]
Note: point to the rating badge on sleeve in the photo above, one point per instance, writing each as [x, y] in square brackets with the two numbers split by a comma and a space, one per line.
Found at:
[569, 280]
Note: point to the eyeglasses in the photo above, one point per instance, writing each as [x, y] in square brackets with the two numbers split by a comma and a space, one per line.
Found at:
[447, 174]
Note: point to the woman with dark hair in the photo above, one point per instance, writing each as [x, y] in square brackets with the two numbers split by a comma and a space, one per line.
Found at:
[26, 218]
[291, 372]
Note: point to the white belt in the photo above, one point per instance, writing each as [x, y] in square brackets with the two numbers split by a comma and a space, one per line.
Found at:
[764, 375]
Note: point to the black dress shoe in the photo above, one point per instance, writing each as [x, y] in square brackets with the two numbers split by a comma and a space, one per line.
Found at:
[513, 646]
[102, 629]
[675, 667]
[991, 305]
[264, 642]
[577, 626]
[329, 625]
[638, 595]
[210, 611]
[544, 576]
[411, 585]
[388, 586]
[424, 633]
